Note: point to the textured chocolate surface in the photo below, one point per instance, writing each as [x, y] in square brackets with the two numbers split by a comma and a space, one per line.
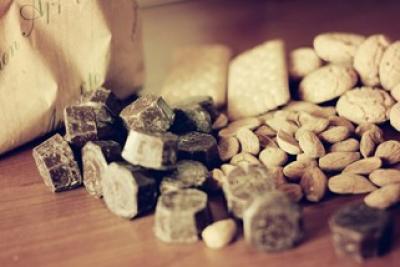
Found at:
[200, 147]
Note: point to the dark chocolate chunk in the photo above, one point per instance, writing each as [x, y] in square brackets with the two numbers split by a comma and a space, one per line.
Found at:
[148, 113]
[200, 147]
[243, 184]
[89, 122]
[151, 150]
[56, 164]
[193, 118]
[205, 102]
[106, 97]
[273, 222]
[188, 174]
[128, 192]
[361, 232]
[181, 216]
[95, 157]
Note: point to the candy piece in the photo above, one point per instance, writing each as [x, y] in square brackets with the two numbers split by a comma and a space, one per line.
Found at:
[95, 157]
[243, 184]
[106, 97]
[361, 232]
[151, 150]
[181, 216]
[89, 122]
[273, 222]
[258, 81]
[56, 164]
[199, 146]
[128, 192]
[205, 102]
[198, 71]
[188, 174]
[191, 118]
[148, 113]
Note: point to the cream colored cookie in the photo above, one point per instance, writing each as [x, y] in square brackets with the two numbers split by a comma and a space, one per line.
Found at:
[389, 69]
[302, 61]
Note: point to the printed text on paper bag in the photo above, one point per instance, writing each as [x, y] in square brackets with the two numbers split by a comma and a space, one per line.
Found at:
[38, 10]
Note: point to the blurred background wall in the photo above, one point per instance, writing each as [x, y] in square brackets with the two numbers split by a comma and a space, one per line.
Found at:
[241, 24]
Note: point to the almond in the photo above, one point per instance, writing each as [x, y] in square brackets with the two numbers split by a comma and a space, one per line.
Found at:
[273, 157]
[295, 170]
[364, 166]
[279, 123]
[311, 108]
[265, 137]
[383, 197]
[362, 128]
[335, 134]
[277, 175]
[337, 161]
[314, 184]
[293, 191]
[303, 157]
[232, 129]
[348, 183]
[389, 152]
[248, 141]
[217, 175]
[228, 147]
[382, 177]
[348, 145]
[312, 123]
[220, 122]
[369, 140]
[244, 157]
[311, 145]
[219, 234]
[227, 168]
[287, 143]
[341, 121]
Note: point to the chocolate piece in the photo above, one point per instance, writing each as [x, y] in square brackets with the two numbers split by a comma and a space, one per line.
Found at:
[206, 102]
[273, 222]
[361, 232]
[127, 191]
[89, 122]
[200, 147]
[243, 184]
[148, 113]
[188, 174]
[106, 97]
[56, 164]
[181, 216]
[151, 150]
[95, 157]
[194, 118]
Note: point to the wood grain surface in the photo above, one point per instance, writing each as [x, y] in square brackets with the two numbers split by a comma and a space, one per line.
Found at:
[39, 228]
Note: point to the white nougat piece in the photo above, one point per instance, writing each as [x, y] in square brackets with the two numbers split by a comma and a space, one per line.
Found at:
[258, 80]
[198, 71]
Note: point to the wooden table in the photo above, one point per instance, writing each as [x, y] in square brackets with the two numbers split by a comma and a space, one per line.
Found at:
[38, 228]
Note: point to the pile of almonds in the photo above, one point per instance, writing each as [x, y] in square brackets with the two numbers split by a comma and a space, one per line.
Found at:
[337, 146]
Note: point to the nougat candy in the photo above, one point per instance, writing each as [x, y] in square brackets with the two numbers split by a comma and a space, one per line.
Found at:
[258, 81]
[273, 222]
[188, 174]
[361, 232]
[128, 192]
[181, 216]
[243, 184]
[200, 147]
[148, 113]
[151, 150]
[105, 97]
[95, 157]
[198, 71]
[88, 122]
[56, 164]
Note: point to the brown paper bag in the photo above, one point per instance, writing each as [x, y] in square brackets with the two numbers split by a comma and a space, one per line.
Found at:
[52, 51]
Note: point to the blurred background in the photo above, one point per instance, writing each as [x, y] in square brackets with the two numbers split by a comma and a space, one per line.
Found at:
[242, 24]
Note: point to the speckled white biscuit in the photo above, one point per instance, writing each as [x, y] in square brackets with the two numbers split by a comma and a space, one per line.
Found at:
[258, 80]
[368, 57]
[198, 71]
[327, 83]
[302, 61]
[389, 69]
[365, 105]
[337, 47]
